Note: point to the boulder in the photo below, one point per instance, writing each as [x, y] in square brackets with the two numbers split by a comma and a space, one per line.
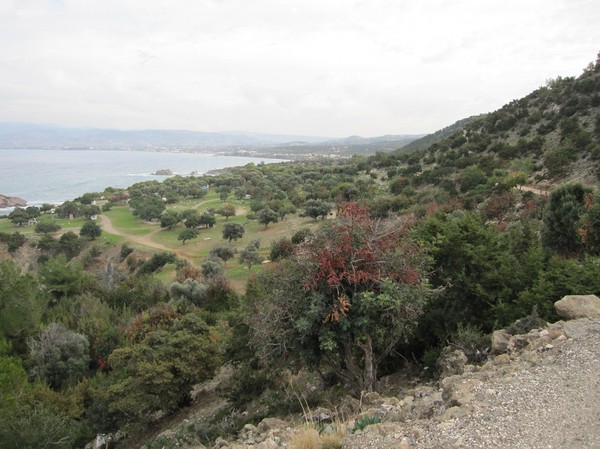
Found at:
[457, 391]
[500, 339]
[371, 399]
[269, 424]
[572, 307]
[306, 384]
[451, 362]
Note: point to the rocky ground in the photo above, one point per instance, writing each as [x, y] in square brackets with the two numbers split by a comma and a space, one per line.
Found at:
[545, 395]
[539, 390]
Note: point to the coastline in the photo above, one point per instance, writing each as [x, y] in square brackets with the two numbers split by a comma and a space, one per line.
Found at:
[46, 176]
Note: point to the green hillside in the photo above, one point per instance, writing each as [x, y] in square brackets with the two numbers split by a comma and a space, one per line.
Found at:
[116, 304]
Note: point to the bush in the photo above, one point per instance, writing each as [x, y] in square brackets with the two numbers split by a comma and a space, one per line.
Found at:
[281, 249]
[14, 241]
[125, 251]
[524, 325]
[472, 342]
[46, 227]
[301, 236]
[58, 355]
[190, 289]
[156, 262]
[561, 220]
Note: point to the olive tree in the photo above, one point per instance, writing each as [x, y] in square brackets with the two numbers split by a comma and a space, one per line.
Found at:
[233, 231]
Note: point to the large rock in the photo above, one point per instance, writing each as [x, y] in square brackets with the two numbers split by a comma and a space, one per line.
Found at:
[451, 362]
[500, 340]
[572, 307]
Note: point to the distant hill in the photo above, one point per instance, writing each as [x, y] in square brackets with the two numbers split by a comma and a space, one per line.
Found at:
[27, 135]
[340, 148]
[425, 141]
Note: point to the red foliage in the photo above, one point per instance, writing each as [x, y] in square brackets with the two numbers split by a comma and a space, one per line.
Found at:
[358, 252]
[188, 272]
[159, 317]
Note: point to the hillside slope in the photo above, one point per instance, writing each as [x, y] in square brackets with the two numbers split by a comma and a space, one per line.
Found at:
[552, 135]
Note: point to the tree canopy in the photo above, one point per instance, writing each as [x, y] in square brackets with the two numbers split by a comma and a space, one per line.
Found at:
[349, 296]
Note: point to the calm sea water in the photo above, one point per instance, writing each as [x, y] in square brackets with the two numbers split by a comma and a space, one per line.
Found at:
[54, 176]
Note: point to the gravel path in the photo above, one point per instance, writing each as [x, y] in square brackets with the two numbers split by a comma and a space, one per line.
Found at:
[544, 399]
[555, 404]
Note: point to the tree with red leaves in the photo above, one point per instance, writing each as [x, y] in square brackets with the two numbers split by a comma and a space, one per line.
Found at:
[352, 293]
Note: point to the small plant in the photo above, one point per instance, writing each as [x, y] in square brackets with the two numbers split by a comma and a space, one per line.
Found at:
[472, 342]
[159, 443]
[125, 251]
[524, 325]
[361, 423]
[95, 251]
[331, 437]
[306, 438]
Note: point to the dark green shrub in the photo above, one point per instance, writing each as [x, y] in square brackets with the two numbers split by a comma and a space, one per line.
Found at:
[46, 227]
[125, 251]
[156, 262]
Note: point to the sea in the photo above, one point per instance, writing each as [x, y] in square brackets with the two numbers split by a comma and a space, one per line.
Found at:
[54, 176]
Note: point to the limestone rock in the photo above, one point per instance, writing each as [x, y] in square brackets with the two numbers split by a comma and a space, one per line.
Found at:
[451, 362]
[371, 399]
[572, 307]
[502, 359]
[306, 384]
[500, 339]
[426, 406]
[321, 415]
[556, 330]
[268, 424]
[457, 391]
[349, 406]
[577, 329]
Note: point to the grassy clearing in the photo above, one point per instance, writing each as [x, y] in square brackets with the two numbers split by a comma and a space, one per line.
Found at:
[7, 226]
[124, 220]
[107, 239]
[198, 249]
[66, 225]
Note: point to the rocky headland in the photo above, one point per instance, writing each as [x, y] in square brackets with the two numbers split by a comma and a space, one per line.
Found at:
[163, 172]
[11, 201]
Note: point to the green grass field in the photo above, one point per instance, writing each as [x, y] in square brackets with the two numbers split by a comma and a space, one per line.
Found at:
[197, 250]
[144, 235]
[125, 221]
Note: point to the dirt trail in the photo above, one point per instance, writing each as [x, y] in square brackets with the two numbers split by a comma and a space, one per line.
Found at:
[146, 239]
[534, 190]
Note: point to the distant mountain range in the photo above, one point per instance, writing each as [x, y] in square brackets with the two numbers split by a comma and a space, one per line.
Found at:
[28, 135]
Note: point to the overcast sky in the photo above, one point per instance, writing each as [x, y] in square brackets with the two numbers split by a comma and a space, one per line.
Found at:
[314, 67]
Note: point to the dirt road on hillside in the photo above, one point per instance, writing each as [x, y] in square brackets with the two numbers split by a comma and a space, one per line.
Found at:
[146, 240]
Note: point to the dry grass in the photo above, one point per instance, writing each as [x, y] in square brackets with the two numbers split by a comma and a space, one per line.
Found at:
[334, 439]
[306, 438]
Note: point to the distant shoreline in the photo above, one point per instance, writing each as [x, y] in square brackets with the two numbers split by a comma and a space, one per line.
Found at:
[45, 176]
